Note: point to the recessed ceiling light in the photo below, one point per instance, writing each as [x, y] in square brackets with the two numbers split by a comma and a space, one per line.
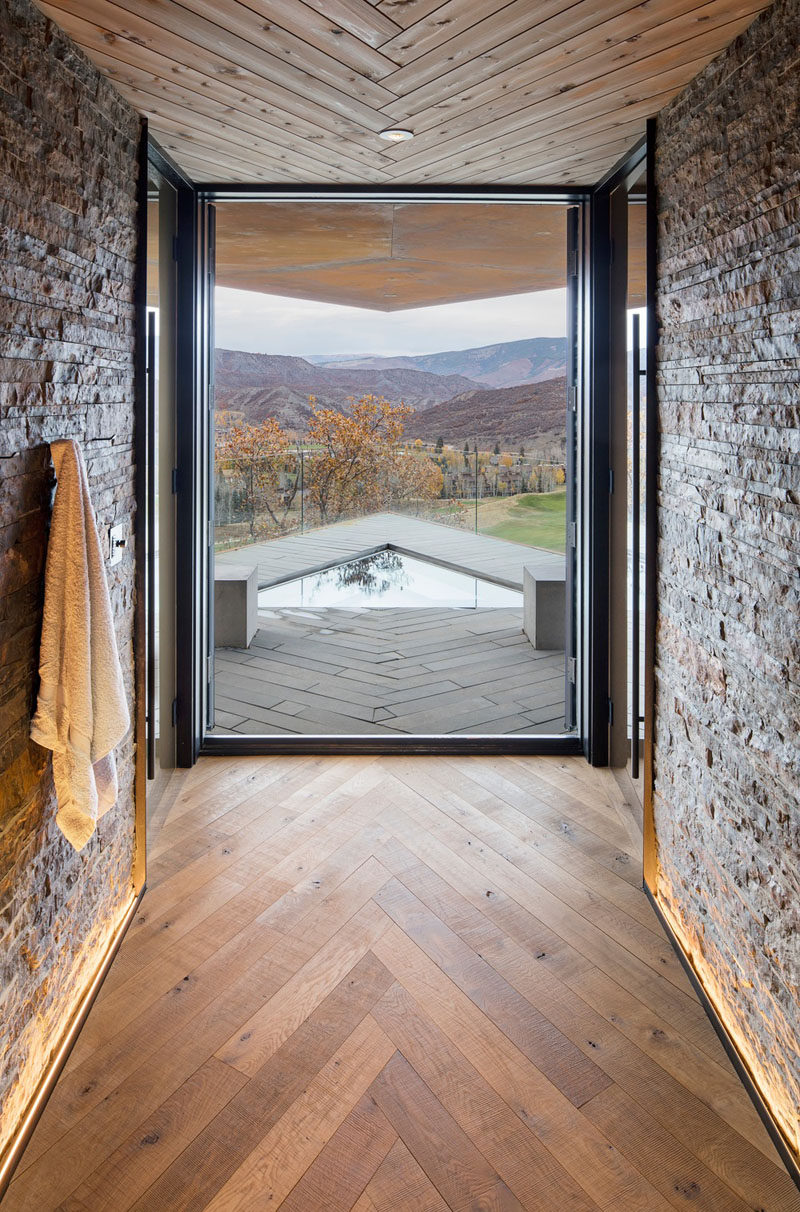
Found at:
[397, 136]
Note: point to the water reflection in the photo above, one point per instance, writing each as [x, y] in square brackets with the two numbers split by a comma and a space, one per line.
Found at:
[388, 579]
[374, 575]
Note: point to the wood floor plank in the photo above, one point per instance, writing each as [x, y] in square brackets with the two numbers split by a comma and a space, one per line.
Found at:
[530, 1171]
[396, 984]
[565, 895]
[578, 931]
[264, 1032]
[567, 858]
[512, 783]
[605, 1175]
[157, 1141]
[401, 1183]
[270, 1172]
[207, 1164]
[537, 1038]
[456, 1168]
[673, 1169]
[337, 1178]
[182, 962]
[596, 1036]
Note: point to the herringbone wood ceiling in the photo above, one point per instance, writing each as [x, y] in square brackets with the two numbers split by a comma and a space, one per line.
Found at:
[271, 91]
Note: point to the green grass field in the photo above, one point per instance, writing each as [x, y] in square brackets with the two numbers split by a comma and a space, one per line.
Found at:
[536, 519]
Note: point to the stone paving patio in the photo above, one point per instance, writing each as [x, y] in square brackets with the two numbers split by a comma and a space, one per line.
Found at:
[415, 671]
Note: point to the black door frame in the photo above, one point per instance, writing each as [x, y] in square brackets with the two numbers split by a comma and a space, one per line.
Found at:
[192, 476]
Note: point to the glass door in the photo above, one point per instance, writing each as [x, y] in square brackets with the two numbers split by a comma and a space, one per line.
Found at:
[393, 392]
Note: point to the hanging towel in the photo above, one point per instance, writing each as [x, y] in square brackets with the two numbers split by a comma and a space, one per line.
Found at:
[81, 713]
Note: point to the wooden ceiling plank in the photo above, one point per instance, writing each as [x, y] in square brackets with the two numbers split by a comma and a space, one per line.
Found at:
[253, 33]
[213, 164]
[430, 32]
[90, 35]
[253, 90]
[605, 114]
[646, 53]
[545, 166]
[519, 161]
[223, 125]
[427, 99]
[605, 128]
[219, 159]
[516, 22]
[494, 89]
[363, 19]
[579, 34]
[606, 157]
[408, 12]
[230, 51]
[144, 90]
[634, 67]
[298, 27]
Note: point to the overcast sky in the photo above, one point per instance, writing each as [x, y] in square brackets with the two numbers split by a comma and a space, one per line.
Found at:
[274, 324]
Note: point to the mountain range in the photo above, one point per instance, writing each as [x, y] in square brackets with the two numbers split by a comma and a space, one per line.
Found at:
[534, 414]
[456, 395]
[507, 364]
[274, 385]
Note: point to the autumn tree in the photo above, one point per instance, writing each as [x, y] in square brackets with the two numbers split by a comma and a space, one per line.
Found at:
[257, 457]
[415, 479]
[355, 454]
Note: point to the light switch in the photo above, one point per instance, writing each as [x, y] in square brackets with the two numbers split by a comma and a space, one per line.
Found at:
[116, 543]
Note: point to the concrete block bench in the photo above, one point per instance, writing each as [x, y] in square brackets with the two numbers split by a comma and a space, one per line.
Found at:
[543, 608]
[235, 605]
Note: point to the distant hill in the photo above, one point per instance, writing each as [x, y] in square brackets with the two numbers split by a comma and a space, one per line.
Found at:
[534, 414]
[507, 364]
[450, 406]
[262, 385]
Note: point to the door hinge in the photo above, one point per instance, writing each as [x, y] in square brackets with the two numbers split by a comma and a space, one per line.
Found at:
[572, 670]
[174, 479]
[572, 263]
[610, 481]
[174, 712]
[573, 534]
[610, 712]
[573, 398]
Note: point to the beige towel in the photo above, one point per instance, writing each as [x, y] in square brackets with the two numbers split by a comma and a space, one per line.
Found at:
[82, 712]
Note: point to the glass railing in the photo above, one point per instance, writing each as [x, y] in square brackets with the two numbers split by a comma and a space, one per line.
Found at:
[517, 497]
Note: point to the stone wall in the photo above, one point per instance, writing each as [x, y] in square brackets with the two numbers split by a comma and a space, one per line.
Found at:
[68, 175]
[727, 754]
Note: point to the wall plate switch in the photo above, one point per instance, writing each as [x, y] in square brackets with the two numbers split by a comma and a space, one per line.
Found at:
[116, 543]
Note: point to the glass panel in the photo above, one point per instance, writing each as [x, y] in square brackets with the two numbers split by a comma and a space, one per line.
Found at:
[152, 620]
[389, 376]
[636, 430]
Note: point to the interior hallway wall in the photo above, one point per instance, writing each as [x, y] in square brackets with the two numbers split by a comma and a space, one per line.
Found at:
[68, 182]
[727, 759]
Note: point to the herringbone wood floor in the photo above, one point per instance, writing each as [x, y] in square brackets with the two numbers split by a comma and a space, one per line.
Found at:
[392, 984]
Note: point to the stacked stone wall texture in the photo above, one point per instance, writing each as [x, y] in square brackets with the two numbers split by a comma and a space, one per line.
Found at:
[727, 751]
[68, 176]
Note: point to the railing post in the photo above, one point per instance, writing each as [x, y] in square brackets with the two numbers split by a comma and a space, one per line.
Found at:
[302, 491]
